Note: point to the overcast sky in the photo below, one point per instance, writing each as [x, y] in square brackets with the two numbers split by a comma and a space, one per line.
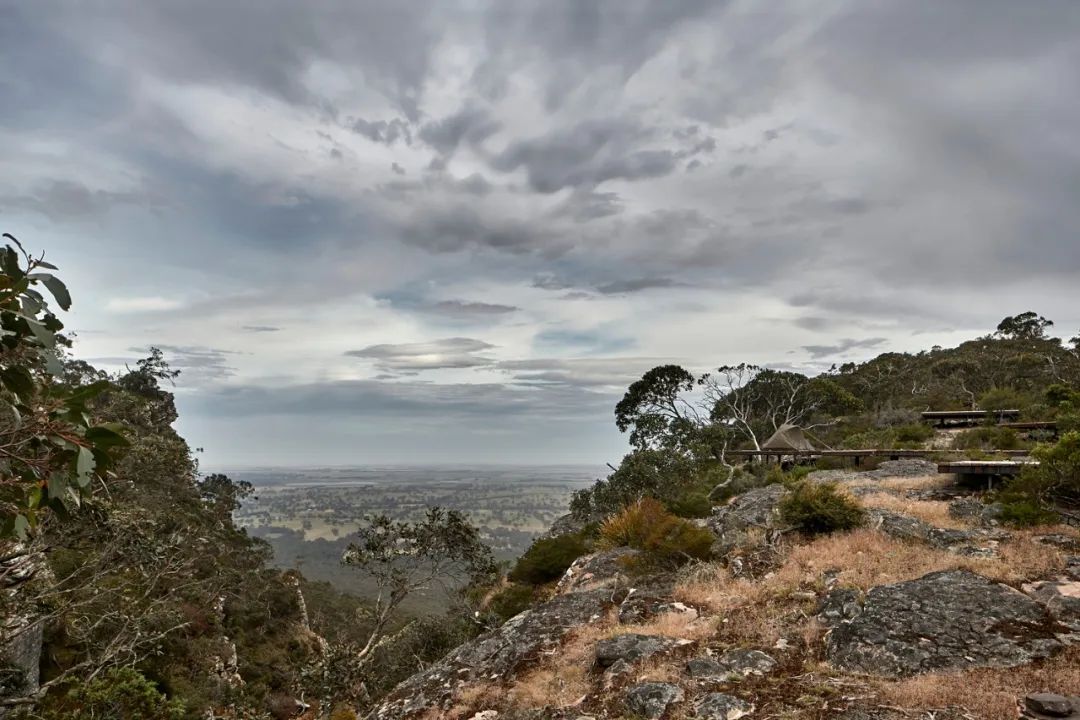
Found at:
[408, 232]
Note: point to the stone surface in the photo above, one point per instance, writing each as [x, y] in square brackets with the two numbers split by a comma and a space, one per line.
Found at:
[494, 655]
[596, 571]
[839, 605]
[757, 508]
[747, 662]
[632, 647]
[977, 542]
[718, 706]
[641, 605]
[1061, 598]
[1050, 705]
[944, 620]
[652, 699]
[705, 668]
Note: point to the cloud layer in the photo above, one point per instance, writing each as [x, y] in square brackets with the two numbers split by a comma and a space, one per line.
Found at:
[467, 226]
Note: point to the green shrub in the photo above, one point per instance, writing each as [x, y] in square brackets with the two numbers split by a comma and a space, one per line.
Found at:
[665, 541]
[1020, 511]
[913, 433]
[548, 558]
[816, 508]
[511, 600]
[988, 438]
[117, 694]
[1056, 479]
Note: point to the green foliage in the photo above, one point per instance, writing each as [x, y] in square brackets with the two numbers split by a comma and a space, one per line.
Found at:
[667, 475]
[50, 450]
[511, 600]
[988, 437]
[654, 410]
[1025, 326]
[118, 694]
[817, 508]
[665, 541]
[548, 558]
[1018, 510]
[1056, 479]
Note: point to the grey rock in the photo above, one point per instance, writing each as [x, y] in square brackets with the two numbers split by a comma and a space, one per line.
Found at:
[632, 647]
[718, 706]
[1065, 542]
[652, 699]
[904, 467]
[757, 508]
[705, 668]
[747, 662]
[1061, 598]
[976, 511]
[495, 654]
[642, 605]
[944, 620]
[839, 605]
[596, 571]
[978, 543]
[1050, 705]
[566, 524]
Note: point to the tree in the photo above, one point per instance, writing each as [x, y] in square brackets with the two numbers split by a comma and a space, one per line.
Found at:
[654, 409]
[756, 400]
[49, 450]
[1025, 326]
[402, 558]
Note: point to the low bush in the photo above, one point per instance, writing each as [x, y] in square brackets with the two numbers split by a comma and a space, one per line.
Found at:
[665, 541]
[511, 600]
[913, 433]
[548, 558]
[1055, 481]
[817, 508]
[988, 438]
[117, 693]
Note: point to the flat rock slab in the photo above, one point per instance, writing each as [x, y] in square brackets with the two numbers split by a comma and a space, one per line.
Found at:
[1061, 598]
[633, 647]
[494, 655]
[945, 620]
[652, 699]
[718, 706]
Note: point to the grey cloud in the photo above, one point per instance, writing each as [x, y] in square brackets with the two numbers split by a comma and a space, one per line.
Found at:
[260, 328]
[458, 352]
[384, 132]
[602, 374]
[586, 155]
[459, 226]
[397, 169]
[842, 346]
[587, 205]
[69, 200]
[198, 365]
[632, 285]
[463, 308]
[470, 124]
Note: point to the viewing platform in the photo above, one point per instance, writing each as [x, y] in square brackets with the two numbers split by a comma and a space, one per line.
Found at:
[973, 472]
[968, 418]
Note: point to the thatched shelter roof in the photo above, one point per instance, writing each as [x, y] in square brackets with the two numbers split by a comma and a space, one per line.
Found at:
[790, 438]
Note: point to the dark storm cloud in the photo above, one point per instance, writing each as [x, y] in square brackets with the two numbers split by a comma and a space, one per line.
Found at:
[842, 346]
[446, 353]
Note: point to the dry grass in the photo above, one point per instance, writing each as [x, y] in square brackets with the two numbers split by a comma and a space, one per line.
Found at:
[988, 694]
[923, 482]
[935, 512]
[559, 686]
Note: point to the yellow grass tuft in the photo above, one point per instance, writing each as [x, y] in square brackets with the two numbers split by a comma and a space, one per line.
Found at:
[935, 512]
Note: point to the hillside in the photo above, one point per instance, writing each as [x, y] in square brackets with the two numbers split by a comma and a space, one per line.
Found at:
[693, 581]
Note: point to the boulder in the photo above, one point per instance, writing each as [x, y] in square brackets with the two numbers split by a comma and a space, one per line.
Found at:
[495, 655]
[718, 706]
[705, 668]
[976, 511]
[652, 699]
[757, 508]
[1050, 705]
[633, 647]
[599, 570]
[978, 542]
[743, 663]
[945, 620]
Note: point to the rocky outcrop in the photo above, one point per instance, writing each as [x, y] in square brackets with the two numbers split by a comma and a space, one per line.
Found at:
[757, 508]
[945, 620]
[495, 655]
[652, 699]
[731, 666]
[718, 706]
[632, 648]
[597, 571]
[1061, 598]
[978, 542]
[1038, 706]
[641, 605]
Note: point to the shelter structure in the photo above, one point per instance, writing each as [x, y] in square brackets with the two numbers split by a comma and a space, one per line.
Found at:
[787, 440]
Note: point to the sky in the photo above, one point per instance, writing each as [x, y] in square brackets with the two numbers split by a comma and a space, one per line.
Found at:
[376, 232]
